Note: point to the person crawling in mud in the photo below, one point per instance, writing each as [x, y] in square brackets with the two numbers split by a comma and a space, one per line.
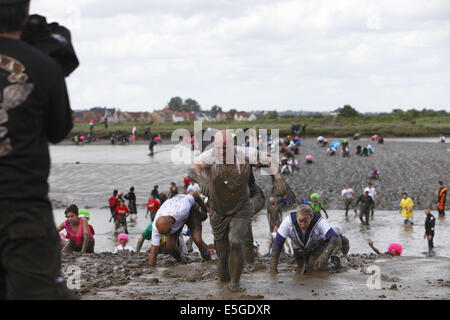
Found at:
[394, 249]
[79, 233]
[226, 170]
[313, 238]
[170, 219]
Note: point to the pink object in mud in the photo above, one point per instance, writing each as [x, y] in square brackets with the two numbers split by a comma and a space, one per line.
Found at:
[398, 248]
[309, 158]
[121, 237]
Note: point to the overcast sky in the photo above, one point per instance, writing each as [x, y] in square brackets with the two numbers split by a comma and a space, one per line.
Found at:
[309, 55]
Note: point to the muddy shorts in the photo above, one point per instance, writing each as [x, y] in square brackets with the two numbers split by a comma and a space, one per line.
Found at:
[30, 256]
[132, 208]
[220, 224]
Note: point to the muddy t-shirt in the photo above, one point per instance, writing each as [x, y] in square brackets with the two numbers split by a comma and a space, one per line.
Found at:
[34, 109]
[177, 207]
[228, 182]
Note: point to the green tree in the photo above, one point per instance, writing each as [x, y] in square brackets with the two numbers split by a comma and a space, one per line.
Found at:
[216, 109]
[175, 104]
[233, 112]
[191, 105]
[348, 112]
[272, 115]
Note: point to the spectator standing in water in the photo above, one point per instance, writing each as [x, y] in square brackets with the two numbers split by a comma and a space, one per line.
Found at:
[442, 194]
[155, 192]
[429, 230]
[364, 210]
[406, 207]
[373, 195]
[347, 195]
[131, 197]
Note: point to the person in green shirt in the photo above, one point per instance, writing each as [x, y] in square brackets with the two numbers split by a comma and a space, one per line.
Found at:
[316, 205]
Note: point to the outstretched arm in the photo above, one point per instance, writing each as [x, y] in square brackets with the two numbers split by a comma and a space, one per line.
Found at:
[373, 248]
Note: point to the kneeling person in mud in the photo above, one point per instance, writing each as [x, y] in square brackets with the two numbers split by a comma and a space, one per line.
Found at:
[313, 238]
[169, 221]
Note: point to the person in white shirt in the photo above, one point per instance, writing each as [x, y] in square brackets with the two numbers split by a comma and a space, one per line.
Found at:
[193, 187]
[169, 221]
[313, 239]
[123, 244]
[373, 194]
[347, 195]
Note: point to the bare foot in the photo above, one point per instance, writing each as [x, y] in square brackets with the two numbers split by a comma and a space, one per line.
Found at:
[234, 287]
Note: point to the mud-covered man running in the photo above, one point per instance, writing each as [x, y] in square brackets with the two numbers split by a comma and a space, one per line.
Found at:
[226, 170]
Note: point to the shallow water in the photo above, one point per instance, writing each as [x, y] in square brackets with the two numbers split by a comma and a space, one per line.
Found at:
[103, 168]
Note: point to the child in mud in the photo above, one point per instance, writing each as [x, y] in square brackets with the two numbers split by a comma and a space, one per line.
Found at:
[120, 216]
[406, 206]
[394, 249]
[152, 207]
[79, 233]
[316, 205]
[123, 239]
[429, 230]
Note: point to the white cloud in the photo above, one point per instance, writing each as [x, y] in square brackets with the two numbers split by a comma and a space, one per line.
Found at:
[311, 54]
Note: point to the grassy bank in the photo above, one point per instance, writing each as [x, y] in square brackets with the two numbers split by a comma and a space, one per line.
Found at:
[326, 126]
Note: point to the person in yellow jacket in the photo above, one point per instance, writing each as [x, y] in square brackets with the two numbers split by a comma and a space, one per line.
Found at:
[407, 205]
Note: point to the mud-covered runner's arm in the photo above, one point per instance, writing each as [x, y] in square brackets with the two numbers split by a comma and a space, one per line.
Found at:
[278, 243]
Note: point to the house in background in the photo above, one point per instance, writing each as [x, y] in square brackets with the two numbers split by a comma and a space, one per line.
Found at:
[244, 116]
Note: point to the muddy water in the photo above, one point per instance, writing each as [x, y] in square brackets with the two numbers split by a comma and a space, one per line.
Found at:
[103, 168]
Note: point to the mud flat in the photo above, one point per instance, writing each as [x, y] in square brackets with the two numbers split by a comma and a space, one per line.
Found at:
[128, 276]
[411, 166]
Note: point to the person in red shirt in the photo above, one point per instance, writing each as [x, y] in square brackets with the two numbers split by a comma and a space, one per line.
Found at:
[152, 207]
[120, 216]
[113, 202]
[187, 182]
